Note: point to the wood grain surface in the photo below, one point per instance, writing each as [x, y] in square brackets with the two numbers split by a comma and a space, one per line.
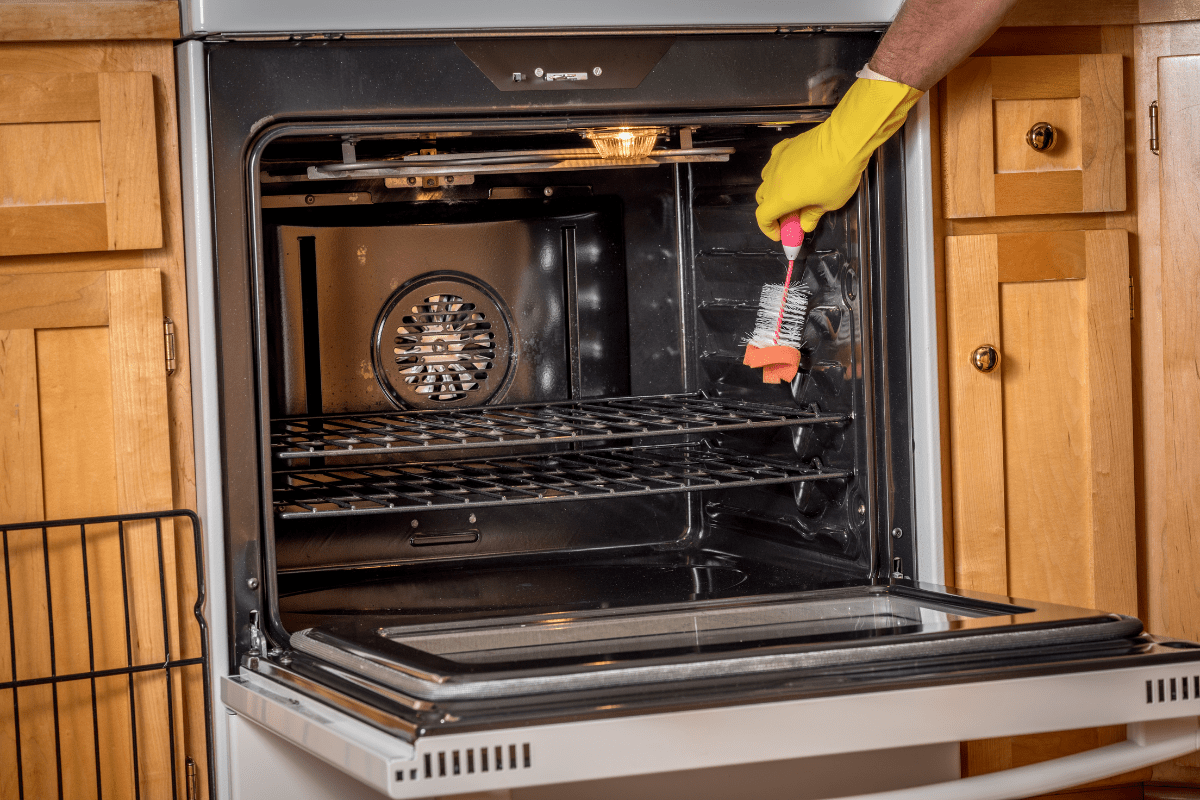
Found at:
[156, 58]
[1058, 410]
[54, 300]
[131, 200]
[1038, 192]
[1014, 118]
[72, 172]
[113, 19]
[49, 97]
[1168, 11]
[990, 170]
[1102, 120]
[976, 416]
[78, 163]
[1041, 256]
[1072, 12]
[1179, 559]
[967, 141]
[1111, 482]
[1035, 77]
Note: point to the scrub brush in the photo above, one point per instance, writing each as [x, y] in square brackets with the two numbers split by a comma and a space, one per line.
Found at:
[782, 311]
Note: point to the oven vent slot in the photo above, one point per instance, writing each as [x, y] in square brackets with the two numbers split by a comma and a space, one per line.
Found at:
[542, 424]
[543, 478]
[471, 761]
[1171, 690]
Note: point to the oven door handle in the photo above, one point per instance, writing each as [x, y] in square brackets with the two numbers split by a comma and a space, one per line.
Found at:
[1146, 743]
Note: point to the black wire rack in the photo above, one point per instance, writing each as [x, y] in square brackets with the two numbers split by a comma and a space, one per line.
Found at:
[95, 660]
[520, 480]
[543, 423]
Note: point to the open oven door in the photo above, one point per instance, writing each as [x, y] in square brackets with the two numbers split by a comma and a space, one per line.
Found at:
[406, 747]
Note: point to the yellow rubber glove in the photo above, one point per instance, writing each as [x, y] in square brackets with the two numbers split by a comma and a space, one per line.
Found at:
[819, 170]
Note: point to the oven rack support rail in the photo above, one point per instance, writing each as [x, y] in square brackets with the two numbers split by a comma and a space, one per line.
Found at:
[543, 424]
[89, 637]
[534, 479]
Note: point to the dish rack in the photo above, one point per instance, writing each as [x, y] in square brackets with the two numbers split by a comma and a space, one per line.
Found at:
[97, 655]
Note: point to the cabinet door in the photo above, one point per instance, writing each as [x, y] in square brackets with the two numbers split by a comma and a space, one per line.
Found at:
[83, 432]
[1042, 445]
[991, 169]
[78, 163]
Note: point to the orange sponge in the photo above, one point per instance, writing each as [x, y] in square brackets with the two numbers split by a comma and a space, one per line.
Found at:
[779, 362]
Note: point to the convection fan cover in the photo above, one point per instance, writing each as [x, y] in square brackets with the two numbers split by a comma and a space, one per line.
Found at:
[443, 341]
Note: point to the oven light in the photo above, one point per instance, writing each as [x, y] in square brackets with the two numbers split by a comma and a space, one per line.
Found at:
[624, 142]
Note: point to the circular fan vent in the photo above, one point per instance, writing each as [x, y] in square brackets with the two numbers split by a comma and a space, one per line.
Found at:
[442, 342]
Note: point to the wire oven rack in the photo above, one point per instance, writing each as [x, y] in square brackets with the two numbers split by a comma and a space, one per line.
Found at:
[98, 591]
[544, 423]
[520, 480]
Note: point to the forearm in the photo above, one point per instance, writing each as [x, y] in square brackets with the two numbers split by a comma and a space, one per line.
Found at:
[930, 37]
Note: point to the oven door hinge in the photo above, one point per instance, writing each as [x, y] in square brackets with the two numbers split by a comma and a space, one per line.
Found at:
[1154, 127]
[169, 344]
[190, 766]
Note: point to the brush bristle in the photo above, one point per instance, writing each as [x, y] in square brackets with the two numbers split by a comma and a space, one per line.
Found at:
[795, 314]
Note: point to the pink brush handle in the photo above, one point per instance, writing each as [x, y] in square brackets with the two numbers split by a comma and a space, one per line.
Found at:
[791, 235]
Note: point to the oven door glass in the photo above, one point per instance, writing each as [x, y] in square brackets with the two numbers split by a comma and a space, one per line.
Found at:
[845, 628]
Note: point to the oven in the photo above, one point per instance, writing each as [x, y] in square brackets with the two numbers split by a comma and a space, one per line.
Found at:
[498, 504]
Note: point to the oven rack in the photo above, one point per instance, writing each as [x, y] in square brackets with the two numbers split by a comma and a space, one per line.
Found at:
[533, 479]
[463, 167]
[544, 424]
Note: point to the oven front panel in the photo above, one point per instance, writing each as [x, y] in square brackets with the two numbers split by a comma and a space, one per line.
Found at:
[686, 231]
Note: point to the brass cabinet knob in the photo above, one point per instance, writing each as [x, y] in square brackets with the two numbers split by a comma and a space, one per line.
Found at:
[985, 358]
[1041, 136]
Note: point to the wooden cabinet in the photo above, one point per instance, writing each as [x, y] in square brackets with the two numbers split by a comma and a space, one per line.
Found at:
[91, 423]
[992, 170]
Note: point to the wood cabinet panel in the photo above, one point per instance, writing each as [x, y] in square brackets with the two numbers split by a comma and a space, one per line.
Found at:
[79, 163]
[40, 21]
[1042, 447]
[1176, 558]
[989, 169]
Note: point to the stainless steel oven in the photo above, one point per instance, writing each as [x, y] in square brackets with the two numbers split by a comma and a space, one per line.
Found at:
[498, 503]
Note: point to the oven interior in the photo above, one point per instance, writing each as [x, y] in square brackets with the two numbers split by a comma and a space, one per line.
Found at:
[498, 391]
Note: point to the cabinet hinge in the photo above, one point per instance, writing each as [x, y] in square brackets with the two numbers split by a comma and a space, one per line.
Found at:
[169, 343]
[190, 766]
[1154, 127]
[1131, 300]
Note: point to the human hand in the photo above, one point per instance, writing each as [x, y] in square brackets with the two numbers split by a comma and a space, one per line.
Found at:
[820, 169]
